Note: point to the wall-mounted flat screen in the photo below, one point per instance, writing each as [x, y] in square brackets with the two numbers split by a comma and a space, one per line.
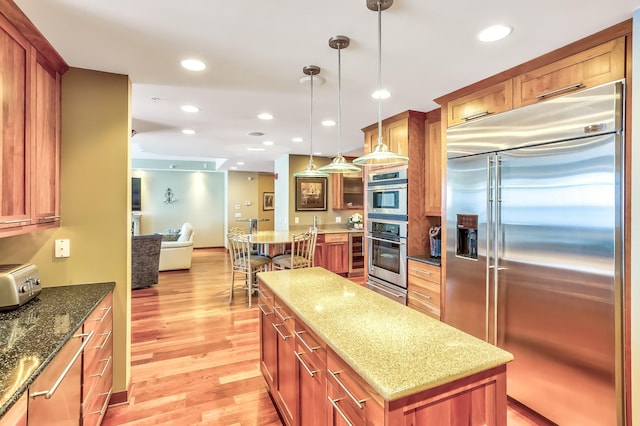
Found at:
[136, 199]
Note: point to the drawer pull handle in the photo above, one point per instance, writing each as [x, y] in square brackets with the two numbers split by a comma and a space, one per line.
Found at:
[265, 313]
[8, 222]
[282, 317]
[306, 367]
[427, 306]
[334, 402]
[276, 326]
[561, 90]
[105, 314]
[421, 271]
[344, 388]
[103, 409]
[104, 370]
[417, 293]
[264, 296]
[104, 342]
[475, 115]
[306, 345]
[49, 217]
[49, 393]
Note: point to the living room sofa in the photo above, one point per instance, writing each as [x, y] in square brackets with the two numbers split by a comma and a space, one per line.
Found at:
[177, 254]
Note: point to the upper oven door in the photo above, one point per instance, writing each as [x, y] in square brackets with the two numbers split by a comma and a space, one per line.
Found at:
[388, 253]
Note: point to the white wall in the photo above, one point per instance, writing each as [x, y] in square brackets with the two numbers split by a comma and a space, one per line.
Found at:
[281, 206]
[199, 199]
[635, 228]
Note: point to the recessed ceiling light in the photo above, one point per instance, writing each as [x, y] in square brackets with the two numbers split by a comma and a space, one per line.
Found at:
[190, 108]
[265, 116]
[193, 65]
[317, 153]
[494, 33]
[233, 168]
[255, 149]
[188, 131]
[268, 143]
[297, 139]
[380, 94]
[255, 134]
[328, 123]
[240, 163]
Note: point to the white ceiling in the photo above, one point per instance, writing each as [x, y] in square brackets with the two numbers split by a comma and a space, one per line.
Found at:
[255, 52]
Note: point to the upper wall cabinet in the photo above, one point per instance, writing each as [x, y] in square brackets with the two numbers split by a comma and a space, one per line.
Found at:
[592, 67]
[30, 73]
[491, 100]
[433, 164]
[347, 191]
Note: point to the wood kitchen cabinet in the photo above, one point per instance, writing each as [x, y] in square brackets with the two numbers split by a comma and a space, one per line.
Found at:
[17, 414]
[423, 288]
[332, 252]
[97, 376]
[30, 144]
[398, 132]
[311, 353]
[347, 191]
[433, 164]
[490, 100]
[592, 67]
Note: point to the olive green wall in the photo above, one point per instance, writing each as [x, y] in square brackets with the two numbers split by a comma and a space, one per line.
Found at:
[95, 202]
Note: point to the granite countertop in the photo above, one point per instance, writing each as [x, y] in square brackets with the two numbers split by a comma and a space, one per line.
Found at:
[395, 349]
[32, 335]
[426, 258]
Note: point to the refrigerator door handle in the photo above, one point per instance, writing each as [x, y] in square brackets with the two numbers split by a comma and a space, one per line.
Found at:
[490, 192]
[496, 247]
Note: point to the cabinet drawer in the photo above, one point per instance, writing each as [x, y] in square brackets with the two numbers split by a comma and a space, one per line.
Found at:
[95, 406]
[312, 348]
[283, 319]
[351, 396]
[492, 100]
[336, 238]
[103, 314]
[423, 271]
[595, 66]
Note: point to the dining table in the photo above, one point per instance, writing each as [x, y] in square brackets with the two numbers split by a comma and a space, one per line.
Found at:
[272, 243]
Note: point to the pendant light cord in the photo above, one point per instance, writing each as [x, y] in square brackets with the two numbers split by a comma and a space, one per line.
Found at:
[339, 104]
[311, 122]
[379, 73]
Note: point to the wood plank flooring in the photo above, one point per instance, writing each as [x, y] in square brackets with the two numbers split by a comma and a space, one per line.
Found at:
[195, 358]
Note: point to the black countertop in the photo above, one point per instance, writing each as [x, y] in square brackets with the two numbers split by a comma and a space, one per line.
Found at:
[32, 335]
[425, 258]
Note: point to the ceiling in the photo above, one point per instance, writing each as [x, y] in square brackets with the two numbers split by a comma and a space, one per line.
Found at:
[255, 53]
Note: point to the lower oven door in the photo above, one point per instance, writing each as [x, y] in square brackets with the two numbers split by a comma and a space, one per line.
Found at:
[388, 260]
[387, 290]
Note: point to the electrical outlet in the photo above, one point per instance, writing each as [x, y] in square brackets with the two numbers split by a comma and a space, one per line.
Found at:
[296, 220]
[338, 219]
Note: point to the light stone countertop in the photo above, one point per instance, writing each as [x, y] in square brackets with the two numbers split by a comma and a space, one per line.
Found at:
[281, 237]
[395, 349]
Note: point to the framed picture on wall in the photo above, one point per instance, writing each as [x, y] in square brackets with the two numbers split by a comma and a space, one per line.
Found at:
[311, 193]
[267, 201]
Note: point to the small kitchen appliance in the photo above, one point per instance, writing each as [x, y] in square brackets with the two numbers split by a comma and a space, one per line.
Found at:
[18, 285]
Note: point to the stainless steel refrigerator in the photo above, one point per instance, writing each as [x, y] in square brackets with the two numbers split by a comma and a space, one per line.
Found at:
[534, 249]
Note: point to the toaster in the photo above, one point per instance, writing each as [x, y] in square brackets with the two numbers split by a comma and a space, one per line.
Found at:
[18, 285]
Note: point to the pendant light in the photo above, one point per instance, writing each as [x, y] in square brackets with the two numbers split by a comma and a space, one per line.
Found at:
[380, 155]
[311, 170]
[339, 164]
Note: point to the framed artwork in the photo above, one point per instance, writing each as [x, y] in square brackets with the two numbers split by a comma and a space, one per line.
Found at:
[267, 201]
[311, 193]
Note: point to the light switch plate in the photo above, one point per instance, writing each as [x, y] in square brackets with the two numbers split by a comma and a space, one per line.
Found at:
[296, 220]
[338, 219]
[62, 248]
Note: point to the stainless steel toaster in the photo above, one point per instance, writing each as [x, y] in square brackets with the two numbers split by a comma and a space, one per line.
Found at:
[18, 285]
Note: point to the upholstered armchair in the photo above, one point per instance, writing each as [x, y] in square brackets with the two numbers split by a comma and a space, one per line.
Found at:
[145, 259]
[177, 254]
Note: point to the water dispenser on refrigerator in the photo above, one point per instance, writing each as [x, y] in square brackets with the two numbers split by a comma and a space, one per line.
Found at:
[467, 241]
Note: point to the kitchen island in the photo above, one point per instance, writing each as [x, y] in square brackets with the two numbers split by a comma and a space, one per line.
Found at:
[33, 335]
[382, 363]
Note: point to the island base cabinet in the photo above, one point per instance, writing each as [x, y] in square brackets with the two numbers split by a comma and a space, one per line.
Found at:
[477, 400]
[17, 414]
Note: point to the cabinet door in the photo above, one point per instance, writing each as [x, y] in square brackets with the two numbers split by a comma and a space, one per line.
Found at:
[286, 383]
[491, 100]
[312, 364]
[397, 136]
[319, 256]
[370, 140]
[347, 191]
[268, 337]
[46, 152]
[15, 147]
[17, 414]
[337, 253]
[433, 163]
[595, 66]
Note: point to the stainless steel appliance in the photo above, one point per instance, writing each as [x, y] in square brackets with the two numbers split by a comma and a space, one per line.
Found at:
[18, 285]
[534, 249]
[387, 265]
[387, 194]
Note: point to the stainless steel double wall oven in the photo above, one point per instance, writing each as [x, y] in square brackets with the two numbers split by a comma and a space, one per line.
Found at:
[386, 233]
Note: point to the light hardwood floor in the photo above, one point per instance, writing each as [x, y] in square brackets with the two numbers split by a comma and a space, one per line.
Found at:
[195, 358]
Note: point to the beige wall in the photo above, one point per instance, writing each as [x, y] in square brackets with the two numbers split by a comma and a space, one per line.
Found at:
[95, 210]
[244, 197]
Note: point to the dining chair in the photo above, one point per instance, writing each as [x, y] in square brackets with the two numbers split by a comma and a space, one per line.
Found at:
[243, 261]
[303, 247]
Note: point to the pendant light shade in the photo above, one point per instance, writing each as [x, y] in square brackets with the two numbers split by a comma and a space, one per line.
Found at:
[380, 155]
[339, 164]
[311, 170]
